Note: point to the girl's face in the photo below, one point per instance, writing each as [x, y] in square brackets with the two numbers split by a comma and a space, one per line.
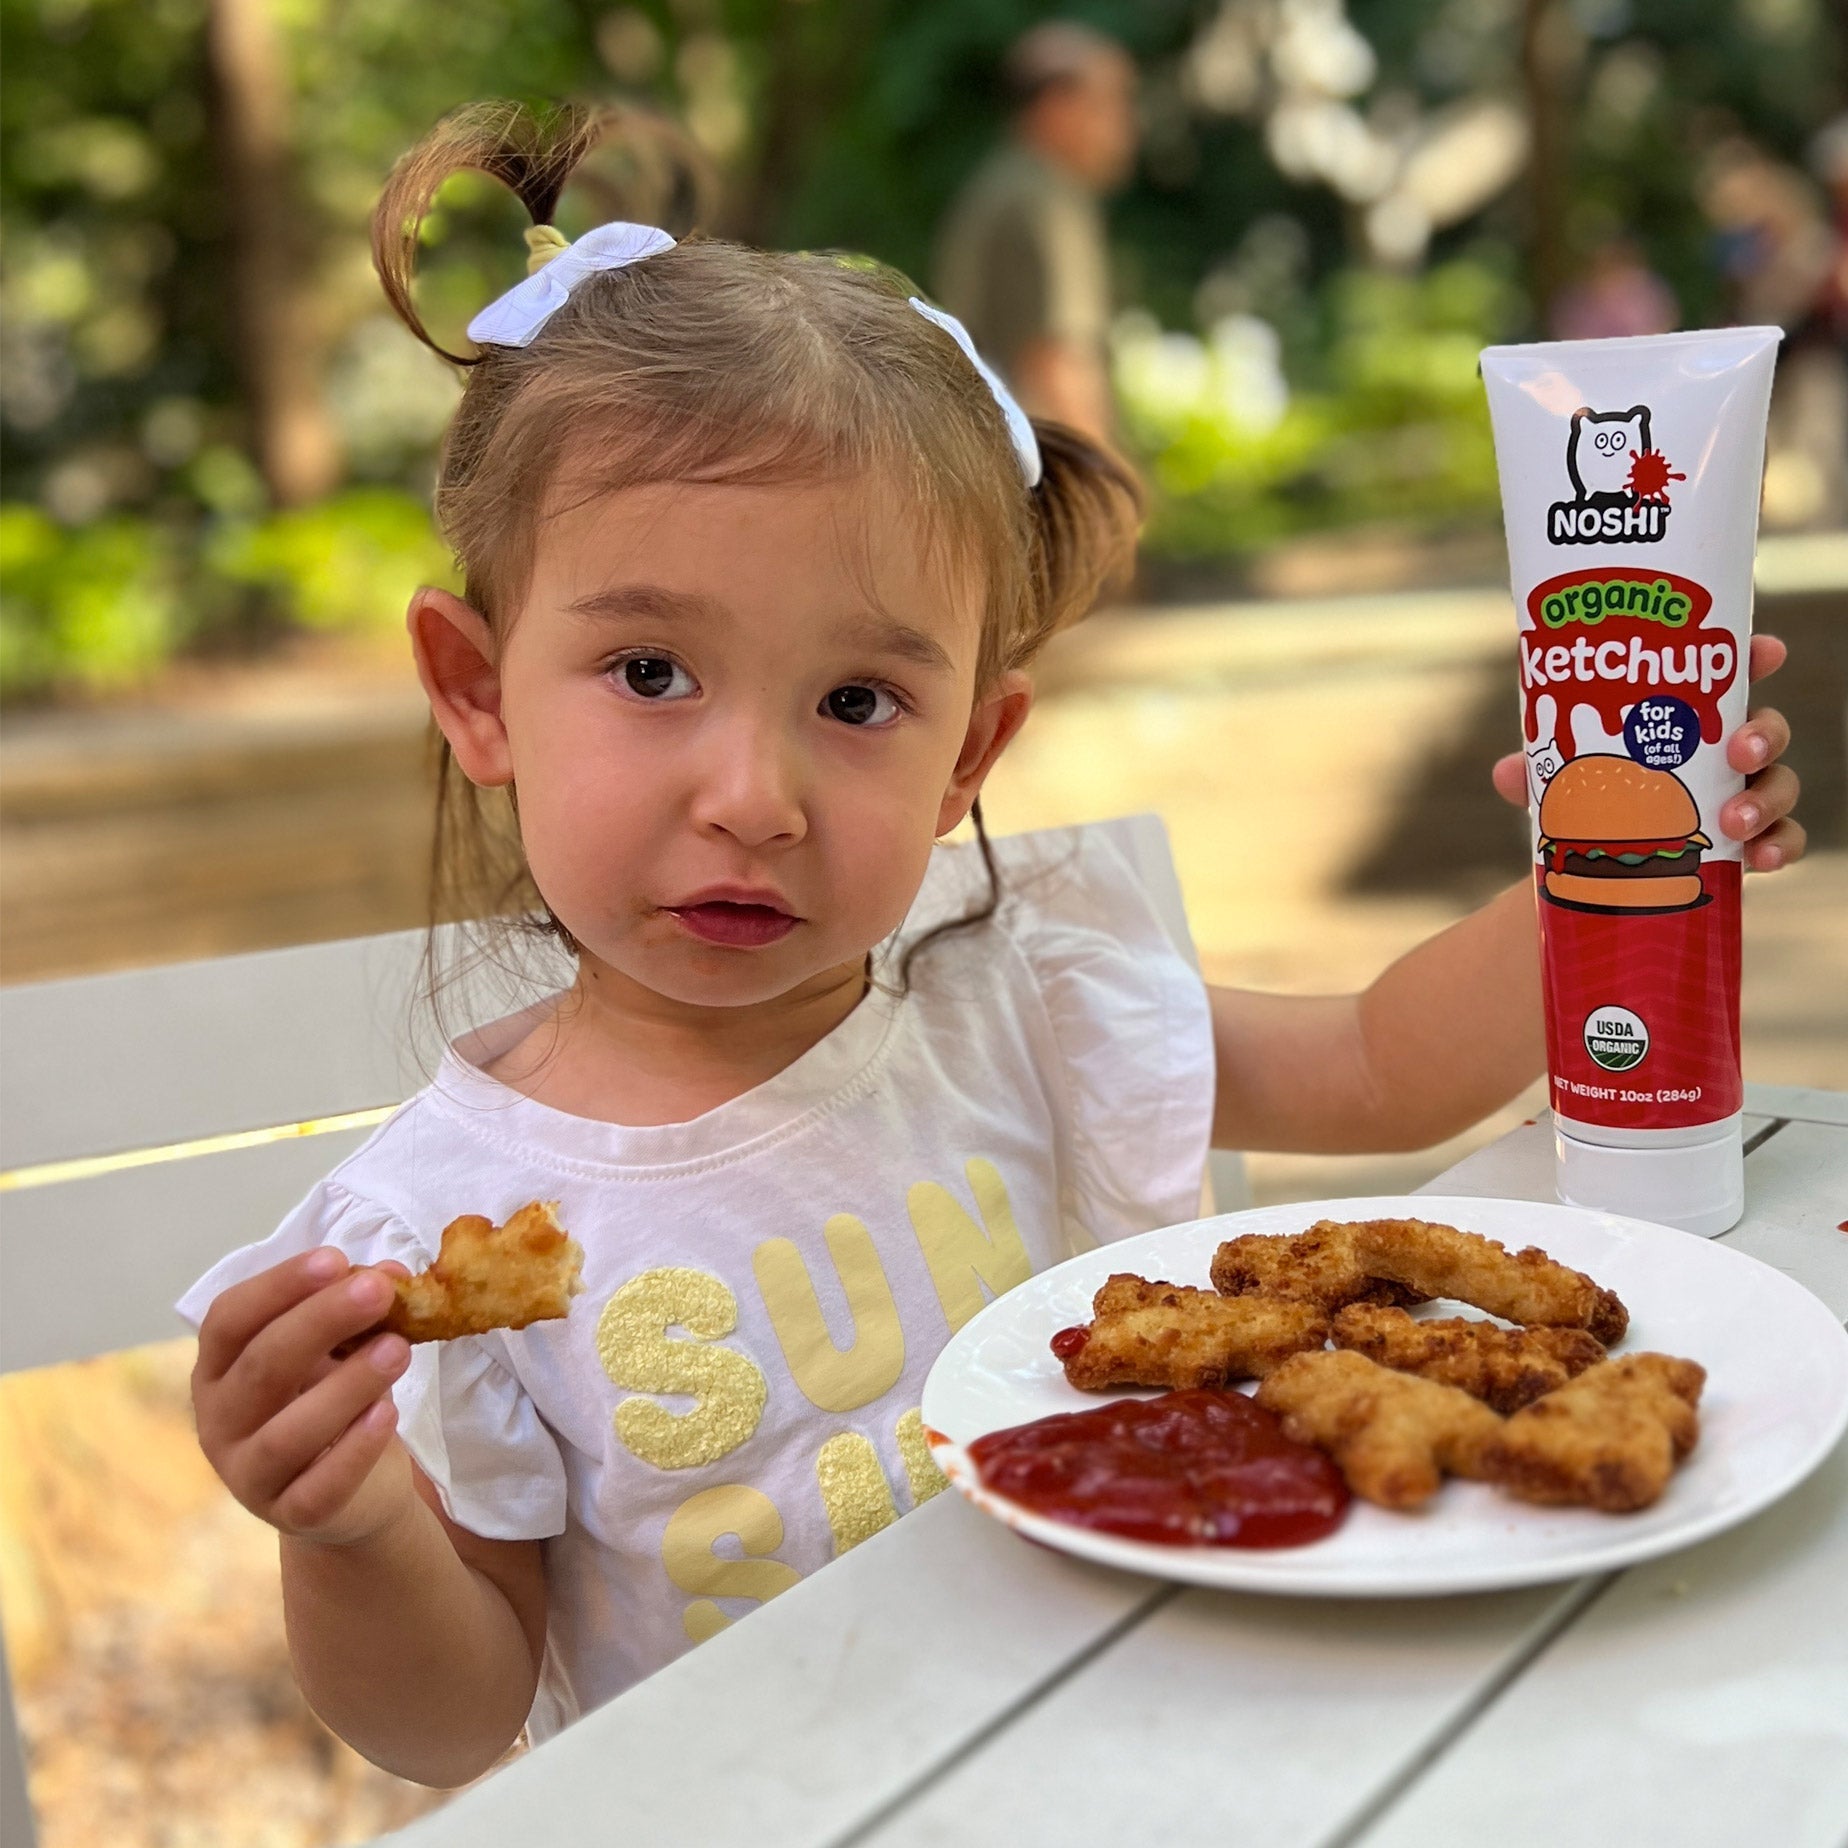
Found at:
[735, 719]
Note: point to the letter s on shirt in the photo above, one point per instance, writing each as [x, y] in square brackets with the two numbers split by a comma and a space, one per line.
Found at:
[686, 1551]
[633, 1344]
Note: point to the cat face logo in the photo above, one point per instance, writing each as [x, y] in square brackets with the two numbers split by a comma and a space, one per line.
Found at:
[1619, 481]
[1543, 764]
[1600, 450]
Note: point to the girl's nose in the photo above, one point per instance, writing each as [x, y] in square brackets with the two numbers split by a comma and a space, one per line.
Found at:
[751, 787]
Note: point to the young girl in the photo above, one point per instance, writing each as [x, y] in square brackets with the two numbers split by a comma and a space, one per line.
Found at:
[756, 553]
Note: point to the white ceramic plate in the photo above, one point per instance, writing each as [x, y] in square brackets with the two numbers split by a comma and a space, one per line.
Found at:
[1776, 1401]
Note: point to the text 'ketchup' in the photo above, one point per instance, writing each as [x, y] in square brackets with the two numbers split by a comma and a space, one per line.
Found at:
[1198, 1468]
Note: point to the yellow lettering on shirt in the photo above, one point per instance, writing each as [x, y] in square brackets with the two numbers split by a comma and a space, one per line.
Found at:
[833, 1378]
[633, 1344]
[962, 1257]
[921, 1469]
[854, 1490]
[696, 1526]
[702, 1618]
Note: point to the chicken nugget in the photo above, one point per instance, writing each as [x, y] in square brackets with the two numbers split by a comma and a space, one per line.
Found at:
[1505, 1368]
[488, 1276]
[1321, 1266]
[1392, 1435]
[1609, 1439]
[1165, 1334]
[1522, 1286]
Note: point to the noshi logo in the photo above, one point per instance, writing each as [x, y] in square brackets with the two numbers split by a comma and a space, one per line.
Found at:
[1619, 482]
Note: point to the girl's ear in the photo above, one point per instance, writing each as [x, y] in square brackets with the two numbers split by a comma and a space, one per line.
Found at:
[456, 663]
[998, 715]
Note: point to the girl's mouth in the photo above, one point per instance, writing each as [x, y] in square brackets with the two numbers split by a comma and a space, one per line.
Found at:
[739, 926]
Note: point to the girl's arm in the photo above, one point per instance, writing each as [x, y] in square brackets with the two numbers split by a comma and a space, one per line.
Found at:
[1453, 1029]
[417, 1641]
[1450, 1032]
[419, 1645]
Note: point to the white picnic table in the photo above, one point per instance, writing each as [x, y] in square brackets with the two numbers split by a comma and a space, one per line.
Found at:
[946, 1682]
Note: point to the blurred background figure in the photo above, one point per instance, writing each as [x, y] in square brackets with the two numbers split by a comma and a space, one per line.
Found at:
[1022, 258]
[1771, 234]
[1831, 163]
[1810, 419]
[1781, 257]
[1618, 295]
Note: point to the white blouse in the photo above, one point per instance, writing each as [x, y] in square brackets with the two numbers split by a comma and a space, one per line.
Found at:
[733, 1401]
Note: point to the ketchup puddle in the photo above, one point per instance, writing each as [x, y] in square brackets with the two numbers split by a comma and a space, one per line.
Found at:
[1196, 1468]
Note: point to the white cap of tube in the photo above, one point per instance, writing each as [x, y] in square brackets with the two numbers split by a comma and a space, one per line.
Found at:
[1699, 1187]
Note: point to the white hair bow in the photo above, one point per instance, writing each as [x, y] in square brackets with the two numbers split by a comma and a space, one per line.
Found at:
[514, 319]
[1019, 425]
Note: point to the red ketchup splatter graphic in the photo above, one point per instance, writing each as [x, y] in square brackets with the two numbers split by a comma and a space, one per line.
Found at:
[1650, 476]
[1608, 635]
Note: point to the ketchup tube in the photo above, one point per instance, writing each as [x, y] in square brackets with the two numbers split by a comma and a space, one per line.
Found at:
[1630, 473]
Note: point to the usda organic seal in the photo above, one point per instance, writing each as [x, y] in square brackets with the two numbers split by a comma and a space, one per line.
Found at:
[1616, 1038]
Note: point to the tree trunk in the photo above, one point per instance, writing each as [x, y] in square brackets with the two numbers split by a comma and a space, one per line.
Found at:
[278, 346]
[817, 55]
[1550, 52]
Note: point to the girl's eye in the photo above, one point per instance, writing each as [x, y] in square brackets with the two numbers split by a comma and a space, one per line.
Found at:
[655, 677]
[861, 706]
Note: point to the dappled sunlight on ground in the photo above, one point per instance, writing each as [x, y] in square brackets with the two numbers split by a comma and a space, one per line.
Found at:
[144, 1627]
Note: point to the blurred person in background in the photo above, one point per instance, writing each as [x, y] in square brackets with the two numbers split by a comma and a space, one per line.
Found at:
[1619, 294]
[1781, 257]
[1818, 355]
[1831, 163]
[1773, 241]
[1021, 258]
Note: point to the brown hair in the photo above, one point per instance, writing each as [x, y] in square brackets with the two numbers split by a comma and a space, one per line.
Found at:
[717, 363]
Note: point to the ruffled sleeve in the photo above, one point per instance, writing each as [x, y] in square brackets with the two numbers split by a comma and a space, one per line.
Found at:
[462, 1412]
[1127, 1011]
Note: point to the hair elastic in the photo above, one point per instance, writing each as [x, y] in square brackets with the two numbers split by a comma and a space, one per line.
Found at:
[555, 268]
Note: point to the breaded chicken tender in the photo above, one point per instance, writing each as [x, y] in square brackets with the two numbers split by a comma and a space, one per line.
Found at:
[1392, 1435]
[1610, 1439]
[1165, 1334]
[488, 1276]
[1506, 1368]
[1322, 1266]
[1522, 1286]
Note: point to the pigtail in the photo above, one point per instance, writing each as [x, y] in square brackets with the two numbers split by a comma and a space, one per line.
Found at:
[534, 153]
[530, 153]
[1086, 508]
[1086, 511]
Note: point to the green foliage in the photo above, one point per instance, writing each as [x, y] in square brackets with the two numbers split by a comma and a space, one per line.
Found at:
[349, 563]
[1397, 431]
[105, 605]
[838, 124]
[113, 290]
[99, 607]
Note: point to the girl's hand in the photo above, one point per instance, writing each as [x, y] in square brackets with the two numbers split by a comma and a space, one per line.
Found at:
[1760, 814]
[300, 1431]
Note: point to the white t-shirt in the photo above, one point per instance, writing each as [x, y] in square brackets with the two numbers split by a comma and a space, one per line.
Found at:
[733, 1401]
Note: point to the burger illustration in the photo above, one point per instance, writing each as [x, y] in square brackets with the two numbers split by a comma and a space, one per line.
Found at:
[1617, 837]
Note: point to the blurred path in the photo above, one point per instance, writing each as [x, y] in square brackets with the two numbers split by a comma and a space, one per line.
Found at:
[241, 809]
